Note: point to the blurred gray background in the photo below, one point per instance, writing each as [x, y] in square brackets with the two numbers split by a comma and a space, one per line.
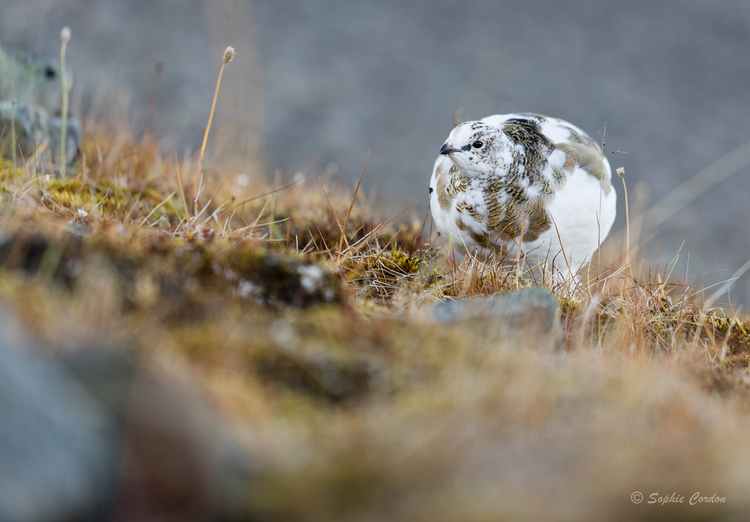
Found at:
[318, 82]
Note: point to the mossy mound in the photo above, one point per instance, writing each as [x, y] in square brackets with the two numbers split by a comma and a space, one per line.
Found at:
[178, 274]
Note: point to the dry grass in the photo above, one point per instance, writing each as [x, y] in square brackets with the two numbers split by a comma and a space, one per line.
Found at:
[300, 312]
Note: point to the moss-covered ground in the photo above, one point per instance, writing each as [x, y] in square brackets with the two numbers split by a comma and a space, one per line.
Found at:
[311, 342]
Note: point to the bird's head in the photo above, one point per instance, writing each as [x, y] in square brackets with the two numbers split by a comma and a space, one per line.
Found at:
[475, 147]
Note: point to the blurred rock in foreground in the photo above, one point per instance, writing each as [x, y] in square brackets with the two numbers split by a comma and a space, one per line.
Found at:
[92, 436]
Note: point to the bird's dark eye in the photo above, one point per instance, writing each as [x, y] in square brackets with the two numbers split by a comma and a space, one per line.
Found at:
[50, 73]
[477, 144]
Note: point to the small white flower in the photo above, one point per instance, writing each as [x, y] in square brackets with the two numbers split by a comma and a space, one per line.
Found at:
[65, 34]
[243, 180]
[229, 53]
[82, 213]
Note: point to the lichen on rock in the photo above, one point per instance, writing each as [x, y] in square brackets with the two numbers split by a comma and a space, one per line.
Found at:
[30, 109]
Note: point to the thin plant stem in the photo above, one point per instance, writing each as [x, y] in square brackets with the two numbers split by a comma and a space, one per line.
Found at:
[351, 205]
[621, 173]
[13, 134]
[65, 37]
[518, 253]
[228, 56]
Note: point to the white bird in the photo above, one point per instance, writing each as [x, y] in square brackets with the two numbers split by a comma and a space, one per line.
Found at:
[512, 175]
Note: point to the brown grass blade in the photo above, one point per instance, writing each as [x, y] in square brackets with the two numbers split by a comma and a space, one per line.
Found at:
[351, 205]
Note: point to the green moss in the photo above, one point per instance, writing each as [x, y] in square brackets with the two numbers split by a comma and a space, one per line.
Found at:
[7, 173]
[110, 199]
[382, 273]
[189, 277]
[567, 304]
[735, 333]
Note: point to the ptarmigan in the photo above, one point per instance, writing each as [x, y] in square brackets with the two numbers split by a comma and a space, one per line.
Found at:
[512, 174]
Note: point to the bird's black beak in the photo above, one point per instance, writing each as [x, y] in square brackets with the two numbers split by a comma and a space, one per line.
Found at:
[447, 149]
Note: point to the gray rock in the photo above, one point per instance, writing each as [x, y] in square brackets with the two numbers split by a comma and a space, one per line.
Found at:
[31, 103]
[527, 318]
[93, 436]
[73, 135]
[57, 450]
[30, 124]
[32, 79]
[34, 128]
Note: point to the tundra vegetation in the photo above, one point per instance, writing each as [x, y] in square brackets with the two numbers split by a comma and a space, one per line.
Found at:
[304, 315]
